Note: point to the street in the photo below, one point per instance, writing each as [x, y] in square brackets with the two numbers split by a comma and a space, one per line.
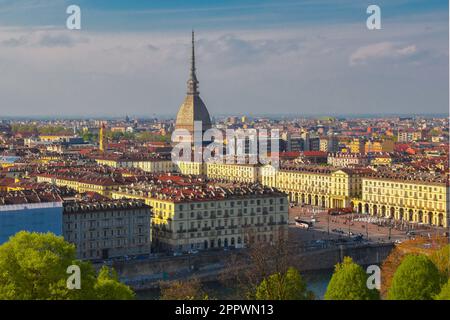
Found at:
[344, 226]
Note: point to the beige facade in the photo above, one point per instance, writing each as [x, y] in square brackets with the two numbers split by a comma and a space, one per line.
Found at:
[409, 136]
[149, 165]
[379, 146]
[327, 188]
[232, 172]
[357, 146]
[416, 201]
[191, 167]
[81, 186]
[220, 221]
[108, 229]
[347, 159]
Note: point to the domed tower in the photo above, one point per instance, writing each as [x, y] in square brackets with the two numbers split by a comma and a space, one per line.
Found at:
[193, 108]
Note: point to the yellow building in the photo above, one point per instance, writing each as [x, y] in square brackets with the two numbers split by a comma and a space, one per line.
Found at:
[232, 172]
[153, 165]
[54, 137]
[191, 167]
[356, 146]
[202, 217]
[103, 186]
[379, 146]
[313, 185]
[409, 199]
[381, 160]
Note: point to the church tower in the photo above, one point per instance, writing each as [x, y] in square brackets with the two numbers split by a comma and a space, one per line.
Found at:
[102, 138]
[193, 108]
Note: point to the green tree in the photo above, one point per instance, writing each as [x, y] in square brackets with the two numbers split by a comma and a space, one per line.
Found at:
[24, 128]
[54, 130]
[108, 286]
[445, 292]
[89, 137]
[349, 282]
[417, 278]
[33, 266]
[288, 286]
[440, 258]
[147, 136]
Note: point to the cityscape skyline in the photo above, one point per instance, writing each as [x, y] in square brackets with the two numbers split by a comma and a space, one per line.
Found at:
[236, 150]
[327, 66]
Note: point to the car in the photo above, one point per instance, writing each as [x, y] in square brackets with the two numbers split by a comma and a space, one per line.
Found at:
[193, 251]
[177, 254]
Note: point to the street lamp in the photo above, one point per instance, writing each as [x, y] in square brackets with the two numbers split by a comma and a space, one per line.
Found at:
[367, 226]
[328, 220]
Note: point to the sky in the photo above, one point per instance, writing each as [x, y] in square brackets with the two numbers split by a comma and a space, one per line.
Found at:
[279, 57]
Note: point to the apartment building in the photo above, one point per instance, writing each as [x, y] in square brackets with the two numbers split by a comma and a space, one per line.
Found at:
[232, 172]
[346, 160]
[420, 198]
[314, 185]
[209, 215]
[152, 164]
[107, 229]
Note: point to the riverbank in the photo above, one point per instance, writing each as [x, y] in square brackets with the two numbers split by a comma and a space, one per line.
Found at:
[317, 282]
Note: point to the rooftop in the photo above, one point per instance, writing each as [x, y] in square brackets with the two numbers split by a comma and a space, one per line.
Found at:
[200, 191]
[29, 197]
[83, 206]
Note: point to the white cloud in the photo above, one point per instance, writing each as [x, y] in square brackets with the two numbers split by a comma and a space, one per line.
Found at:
[56, 71]
[381, 51]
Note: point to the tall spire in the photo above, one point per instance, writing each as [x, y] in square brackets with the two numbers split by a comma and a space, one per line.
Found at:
[193, 82]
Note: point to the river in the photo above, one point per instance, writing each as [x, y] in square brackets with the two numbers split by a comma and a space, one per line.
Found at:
[317, 282]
